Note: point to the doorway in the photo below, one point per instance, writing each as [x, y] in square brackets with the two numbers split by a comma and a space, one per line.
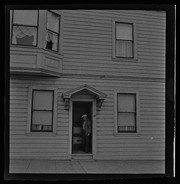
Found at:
[80, 108]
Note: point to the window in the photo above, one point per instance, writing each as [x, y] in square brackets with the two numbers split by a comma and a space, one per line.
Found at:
[42, 110]
[24, 28]
[52, 31]
[126, 112]
[123, 40]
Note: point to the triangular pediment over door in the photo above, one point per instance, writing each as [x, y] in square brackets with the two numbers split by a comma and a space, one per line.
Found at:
[84, 91]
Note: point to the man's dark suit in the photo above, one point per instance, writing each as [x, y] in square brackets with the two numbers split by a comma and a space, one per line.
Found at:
[86, 134]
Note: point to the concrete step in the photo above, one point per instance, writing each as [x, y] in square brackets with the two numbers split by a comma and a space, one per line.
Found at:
[82, 156]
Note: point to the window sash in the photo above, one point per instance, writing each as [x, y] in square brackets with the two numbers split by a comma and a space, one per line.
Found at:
[42, 125]
[124, 31]
[126, 116]
[124, 48]
[48, 27]
[126, 102]
[52, 41]
[25, 19]
[126, 119]
[24, 32]
[124, 44]
[24, 35]
[42, 99]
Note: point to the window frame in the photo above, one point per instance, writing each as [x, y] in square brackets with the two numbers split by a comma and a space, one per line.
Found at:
[37, 27]
[58, 34]
[134, 43]
[30, 109]
[137, 122]
[134, 113]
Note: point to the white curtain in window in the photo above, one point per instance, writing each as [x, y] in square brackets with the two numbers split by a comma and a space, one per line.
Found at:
[126, 128]
[52, 37]
[22, 31]
[124, 48]
[53, 22]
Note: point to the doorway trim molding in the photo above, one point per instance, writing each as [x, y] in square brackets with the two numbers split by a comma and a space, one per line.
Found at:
[98, 95]
[93, 125]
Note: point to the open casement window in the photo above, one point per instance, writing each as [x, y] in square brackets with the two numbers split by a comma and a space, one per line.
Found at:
[42, 111]
[126, 112]
[24, 27]
[124, 40]
[52, 31]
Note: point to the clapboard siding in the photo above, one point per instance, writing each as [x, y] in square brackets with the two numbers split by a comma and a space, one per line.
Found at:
[88, 43]
[87, 50]
[21, 144]
[149, 144]
[100, 15]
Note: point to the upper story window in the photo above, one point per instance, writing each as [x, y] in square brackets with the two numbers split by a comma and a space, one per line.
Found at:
[24, 27]
[123, 40]
[52, 31]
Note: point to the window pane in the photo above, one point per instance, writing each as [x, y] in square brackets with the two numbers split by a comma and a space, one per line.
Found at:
[42, 118]
[51, 41]
[124, 48]
[26, 17]
[124, 31]
[126, 128]
[126, 103]
[126, 119]
[53, 22]
[41, 127]
[24, 35]
[43, 100]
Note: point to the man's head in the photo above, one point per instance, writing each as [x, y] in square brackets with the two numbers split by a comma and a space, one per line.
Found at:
[84, 117]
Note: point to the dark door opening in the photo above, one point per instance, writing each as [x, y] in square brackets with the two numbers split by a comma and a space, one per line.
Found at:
[80, 108]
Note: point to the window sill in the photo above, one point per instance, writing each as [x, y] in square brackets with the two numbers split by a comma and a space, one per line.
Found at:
[125, 59]
[41, 134]
[127, 134]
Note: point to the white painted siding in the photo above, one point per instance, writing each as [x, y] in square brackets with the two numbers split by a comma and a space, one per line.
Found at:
[88, 43]
[87, 50]
[149, 144]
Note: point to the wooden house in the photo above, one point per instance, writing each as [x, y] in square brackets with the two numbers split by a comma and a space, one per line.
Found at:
[108, 64]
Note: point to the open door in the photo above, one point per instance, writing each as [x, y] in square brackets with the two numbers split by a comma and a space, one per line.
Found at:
[80, 108]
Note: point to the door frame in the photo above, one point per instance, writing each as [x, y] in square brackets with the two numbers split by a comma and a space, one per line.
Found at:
[93, 125]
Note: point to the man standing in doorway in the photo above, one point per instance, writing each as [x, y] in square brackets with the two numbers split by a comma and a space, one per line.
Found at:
[86, 132]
